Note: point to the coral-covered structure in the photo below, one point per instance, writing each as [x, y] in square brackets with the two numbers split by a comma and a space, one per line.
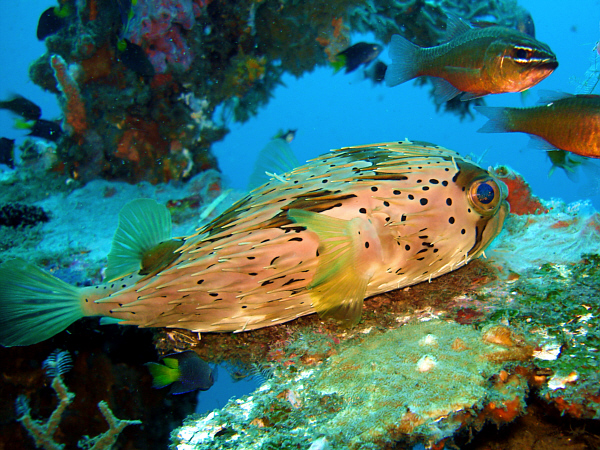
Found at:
[147, 87]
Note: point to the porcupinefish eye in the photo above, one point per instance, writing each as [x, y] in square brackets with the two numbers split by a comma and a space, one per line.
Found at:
[485, 195]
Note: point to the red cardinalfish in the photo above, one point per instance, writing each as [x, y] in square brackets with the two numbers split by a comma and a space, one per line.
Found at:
[473, 62]
[566, 122]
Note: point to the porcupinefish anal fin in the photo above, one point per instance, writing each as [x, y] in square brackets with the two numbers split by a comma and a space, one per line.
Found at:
[348, 251]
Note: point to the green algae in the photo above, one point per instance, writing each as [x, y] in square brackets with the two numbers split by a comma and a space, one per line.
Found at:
[558, 307]
[421, 382]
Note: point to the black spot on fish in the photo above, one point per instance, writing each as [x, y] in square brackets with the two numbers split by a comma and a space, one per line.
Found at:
[366, 245]
[123, 286]
[297, 239]
[423, 250]
[421, 259]
[244, 306]
[397, 192]
[423, 201]
[427, 244]
[324, 181]
[266, 240]
[463, 231]
[433, 181]
[251, 257]
[362, 211]
[403, 218]
[435, 250]
[411, 197]
[387, 219]
[264, 283]
[253, 274]
[449, 201]
[444, 183]
[374, 188]
[86, 300]
[425, 188]
[420, 181]
[423, 237]
[451, 220]
[292, 280]
[199, 281]
[386, 203]
[407, 247]
[273, 260]
[213, 294]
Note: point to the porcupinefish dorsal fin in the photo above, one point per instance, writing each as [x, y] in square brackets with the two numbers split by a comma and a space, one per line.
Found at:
[347, 252]
[276, 158]
[142, 243]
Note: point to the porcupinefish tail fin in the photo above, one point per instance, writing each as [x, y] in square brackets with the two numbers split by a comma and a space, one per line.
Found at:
[142, 243]
[347, 251]
[34, 305]
[406, 58]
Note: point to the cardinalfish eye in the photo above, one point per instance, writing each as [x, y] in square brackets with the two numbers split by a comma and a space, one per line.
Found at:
[485, 195]
[522, 55]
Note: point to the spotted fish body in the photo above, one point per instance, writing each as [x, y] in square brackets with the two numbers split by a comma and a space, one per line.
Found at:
[345, 226]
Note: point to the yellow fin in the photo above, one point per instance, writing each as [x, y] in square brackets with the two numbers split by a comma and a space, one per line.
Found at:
[143, 225]
[347, 251]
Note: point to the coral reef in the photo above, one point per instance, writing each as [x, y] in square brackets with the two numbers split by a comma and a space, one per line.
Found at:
[56, 365]
[127, 72]
[20, 215]
[421, 382]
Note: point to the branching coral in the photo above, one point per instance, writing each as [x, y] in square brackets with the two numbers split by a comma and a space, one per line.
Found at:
[58, 363]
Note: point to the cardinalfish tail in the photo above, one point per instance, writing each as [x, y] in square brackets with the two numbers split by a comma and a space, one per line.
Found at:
[405, 61]
[35, 305]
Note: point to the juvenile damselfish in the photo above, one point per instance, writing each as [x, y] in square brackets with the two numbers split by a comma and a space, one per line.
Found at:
[473, 62]
[321, 238]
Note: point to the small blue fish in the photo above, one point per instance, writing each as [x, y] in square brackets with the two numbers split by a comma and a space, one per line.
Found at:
[184, 371]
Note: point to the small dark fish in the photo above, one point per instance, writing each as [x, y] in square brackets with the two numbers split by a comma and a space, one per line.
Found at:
[41, 128]
[184, 371]
[23, 107]
[474, 62]
[7, 152]
[565, 122]
[566, 161]
[135, 58]
[355, 56]
[52, 21]
[288, 136]
[376, 73]
[525, 22]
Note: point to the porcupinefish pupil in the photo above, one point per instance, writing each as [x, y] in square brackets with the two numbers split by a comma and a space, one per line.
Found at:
[485, 193]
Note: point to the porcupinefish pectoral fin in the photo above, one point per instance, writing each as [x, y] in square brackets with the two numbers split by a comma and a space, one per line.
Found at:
[142, 242]
[348, 253]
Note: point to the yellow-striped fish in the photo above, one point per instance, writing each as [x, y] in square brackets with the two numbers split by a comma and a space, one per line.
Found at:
[321, 238]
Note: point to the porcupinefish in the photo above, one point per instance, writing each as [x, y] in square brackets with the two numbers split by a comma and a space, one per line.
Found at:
[321, 238]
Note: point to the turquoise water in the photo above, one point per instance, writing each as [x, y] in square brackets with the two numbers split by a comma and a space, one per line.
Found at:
[335, 110]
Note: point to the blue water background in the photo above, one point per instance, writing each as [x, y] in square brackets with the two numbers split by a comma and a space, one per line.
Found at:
[332, 111]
